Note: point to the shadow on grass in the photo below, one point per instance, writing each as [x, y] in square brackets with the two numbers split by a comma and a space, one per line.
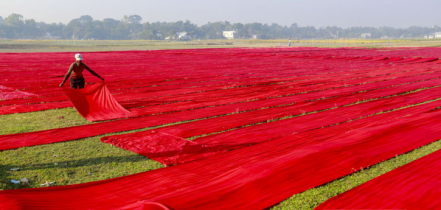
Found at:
[6, 175]
[83, 162]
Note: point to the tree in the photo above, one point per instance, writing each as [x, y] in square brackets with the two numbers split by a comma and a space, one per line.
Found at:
[85, 19]
[121, 31]
[2, 28]
[73, 30]
[130, 27]
[30, 29]
[14, 20]
[240, 33]
[133, 24]
[53, 29]
[132, 19]
[108, 27]
[14, 26]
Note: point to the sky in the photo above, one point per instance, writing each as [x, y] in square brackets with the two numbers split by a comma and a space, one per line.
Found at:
[318, 13]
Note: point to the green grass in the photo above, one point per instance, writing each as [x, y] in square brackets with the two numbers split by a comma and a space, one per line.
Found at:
[73, 160]
[120, 45]
[69, 163]
[42, 120]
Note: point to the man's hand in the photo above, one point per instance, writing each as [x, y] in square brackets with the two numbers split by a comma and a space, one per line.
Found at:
[61, 85]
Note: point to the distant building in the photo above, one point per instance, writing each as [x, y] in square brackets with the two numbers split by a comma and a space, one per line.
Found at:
[365, 35]
[229, 34]
[183, 36]
[436, 35]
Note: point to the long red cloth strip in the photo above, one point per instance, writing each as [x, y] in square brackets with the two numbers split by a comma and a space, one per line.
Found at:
[37, 107]
[260, 175]
[416, 185]
[173, 153]
[263, 132]
[95, 103]
[59, 105]
[63, 134]
[44, 77]
[220, 90]
[163, 147]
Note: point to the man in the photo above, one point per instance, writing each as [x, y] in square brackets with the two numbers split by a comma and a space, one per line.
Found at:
[76, 73]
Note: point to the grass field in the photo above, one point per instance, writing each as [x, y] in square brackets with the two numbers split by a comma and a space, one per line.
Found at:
[121, 45]
[88, 159]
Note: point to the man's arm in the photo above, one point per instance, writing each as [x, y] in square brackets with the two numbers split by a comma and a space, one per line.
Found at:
[92, 72]
[67, 75]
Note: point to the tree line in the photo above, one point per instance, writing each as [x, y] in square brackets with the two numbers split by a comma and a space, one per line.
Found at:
[130, 27]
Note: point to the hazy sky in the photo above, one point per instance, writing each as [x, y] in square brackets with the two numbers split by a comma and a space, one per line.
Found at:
[342, 13]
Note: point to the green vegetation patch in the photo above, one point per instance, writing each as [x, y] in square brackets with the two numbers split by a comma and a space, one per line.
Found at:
[70, 162]
[64, 163]
[43, 120]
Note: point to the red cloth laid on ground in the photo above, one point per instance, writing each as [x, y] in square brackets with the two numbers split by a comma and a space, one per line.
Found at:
[423, 60]
[124, 83]
[95, 103]
[416, 185]
[70, 133]
[254, 177]
[7, 93]
[277, 165]
[162, 147]
[172, 152]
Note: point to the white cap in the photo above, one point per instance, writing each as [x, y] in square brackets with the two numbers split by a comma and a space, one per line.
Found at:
[78, 57]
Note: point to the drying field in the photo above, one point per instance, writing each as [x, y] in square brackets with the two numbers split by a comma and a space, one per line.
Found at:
[281, 128]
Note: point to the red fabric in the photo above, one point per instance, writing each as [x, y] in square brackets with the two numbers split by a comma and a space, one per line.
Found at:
[162, 147]
[254, 134]
[423, 60]
[380, 58]
[407, 60]
[190, 65]
[269, 163]
[416, 185]
[254, 177]
[95, 103]
[372, 90]
[144, 205]
[62, 134]
[9, 93]
[36, 102]
[394, 59]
